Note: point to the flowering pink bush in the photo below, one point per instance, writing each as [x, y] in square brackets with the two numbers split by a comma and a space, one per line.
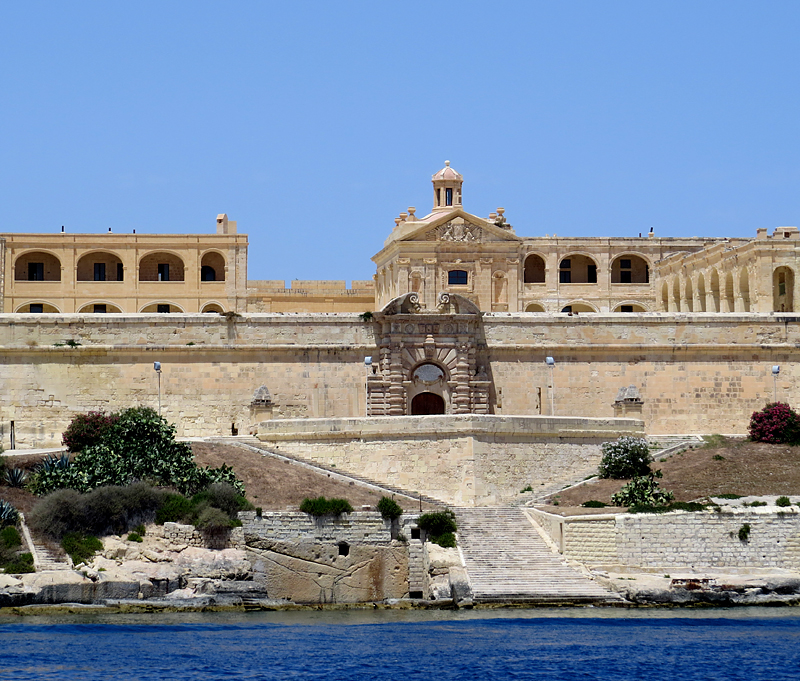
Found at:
[85, 430]
[777, 423]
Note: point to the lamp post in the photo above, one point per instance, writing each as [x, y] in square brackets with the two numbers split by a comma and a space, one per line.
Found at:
[552, 364]
[157, 369]
[775, 371]
[367, 365]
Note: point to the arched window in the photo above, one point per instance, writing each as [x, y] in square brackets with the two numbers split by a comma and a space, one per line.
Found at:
[167, 308]
[38, 308]
[630, 307]
[577, 269]
[457, 278]
[37, 266]
[534, 270]
[783, 290]
[161, 267]
[744, 289]
[534, 307]
[100, 266]
[213, 307]
[701, 292]
[212, 267]
[715, 291]
[578, 307]
[630, 269]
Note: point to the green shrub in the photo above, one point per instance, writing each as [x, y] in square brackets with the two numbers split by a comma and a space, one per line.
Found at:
[744, 532]
[320, 506]
[642, 489]
[777, 423]
[223, 496]
[20, 564]
[628, 457]
[133, 444]
[526, 489]
[718, 457]
[8, 514]
[389, 508]
[439, 527]
[86, 430]
[755, 503]
[140, 530]
[783, 502]
[102, 511]
[175, 509]
[728, 496]
[80, 547]
[135, 536]
[10, 538]
[15, 477]
[592, 503]
[211, 519]
[446, 540]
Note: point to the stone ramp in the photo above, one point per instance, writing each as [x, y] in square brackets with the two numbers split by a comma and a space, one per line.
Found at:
[507, 560]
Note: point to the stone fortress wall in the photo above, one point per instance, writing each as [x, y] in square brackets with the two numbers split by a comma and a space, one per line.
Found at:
[696, 373]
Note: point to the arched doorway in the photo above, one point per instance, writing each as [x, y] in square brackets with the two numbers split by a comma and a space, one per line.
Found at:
[427, 403]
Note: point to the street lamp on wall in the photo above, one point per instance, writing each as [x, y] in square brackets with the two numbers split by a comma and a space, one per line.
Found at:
[775, 371]
[367, 366]
[157, 369]
[550, 362]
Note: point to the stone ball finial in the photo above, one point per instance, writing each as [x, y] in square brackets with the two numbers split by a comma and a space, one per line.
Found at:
[397, 221]
[412, 211]
[447, 164]
[500, 211]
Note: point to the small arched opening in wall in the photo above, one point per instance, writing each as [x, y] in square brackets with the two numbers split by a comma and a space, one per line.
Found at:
[578, 306]
[161, 266]
[577, 268]
[534, 307]
[37, 266]
[665, 297]
[164, 307]
[744, 289]
[100, 307]
[783, 289]
[714, 286]
[534, 271]
[676, 293]
[701, 292]
[212, 307]
[630, 268]
[499, 292]
[38, 307]
[630, 306]
[428, 392]
[689, 297]
[212, 267]
[100, 266]
[730, 298]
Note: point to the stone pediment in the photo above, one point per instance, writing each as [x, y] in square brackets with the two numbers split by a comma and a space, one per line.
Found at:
[458, 227]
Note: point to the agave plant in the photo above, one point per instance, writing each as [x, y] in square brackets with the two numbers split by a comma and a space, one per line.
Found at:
[52, 462]
[15, 477]
[8, 514]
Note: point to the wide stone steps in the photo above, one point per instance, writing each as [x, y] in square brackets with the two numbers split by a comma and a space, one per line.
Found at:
[506, 559]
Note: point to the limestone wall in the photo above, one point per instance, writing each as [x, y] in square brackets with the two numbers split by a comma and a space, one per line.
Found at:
[365, 527]
[458, 459]
[680, 539]
[697, 373]
[188, 535]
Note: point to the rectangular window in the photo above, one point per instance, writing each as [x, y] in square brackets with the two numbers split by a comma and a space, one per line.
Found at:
[99, 271]
[565, 277]
[100, 309]
[35, 271]
[782, 288]
[457, 277]
[625, 264]
[625, 276]
[591, 274]
[163, 308]
[120, 272]
[163, 271]
[37, 308]
[448, 196]
[626, 308]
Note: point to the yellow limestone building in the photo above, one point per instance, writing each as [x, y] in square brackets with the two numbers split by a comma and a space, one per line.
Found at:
[463, 314]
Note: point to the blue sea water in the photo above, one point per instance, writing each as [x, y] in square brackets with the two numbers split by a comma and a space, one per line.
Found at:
[558, 644]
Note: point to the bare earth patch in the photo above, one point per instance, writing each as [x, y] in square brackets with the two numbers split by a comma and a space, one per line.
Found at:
[736, 467]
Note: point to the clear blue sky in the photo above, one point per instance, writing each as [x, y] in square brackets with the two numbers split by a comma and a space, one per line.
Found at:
[313, 124]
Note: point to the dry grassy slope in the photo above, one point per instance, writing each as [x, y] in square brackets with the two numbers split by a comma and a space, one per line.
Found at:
[746, 468]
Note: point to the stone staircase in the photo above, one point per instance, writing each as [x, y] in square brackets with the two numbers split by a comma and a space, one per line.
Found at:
[416, 569]
[43, 557]
[507, 560]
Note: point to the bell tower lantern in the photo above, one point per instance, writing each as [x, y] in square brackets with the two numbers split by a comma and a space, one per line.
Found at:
[447, 188]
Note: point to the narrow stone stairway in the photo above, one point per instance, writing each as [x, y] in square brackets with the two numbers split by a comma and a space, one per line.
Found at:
[43, 557]
[507, 560]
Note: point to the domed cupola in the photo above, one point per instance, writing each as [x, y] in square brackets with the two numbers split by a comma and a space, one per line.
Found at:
[447, 188]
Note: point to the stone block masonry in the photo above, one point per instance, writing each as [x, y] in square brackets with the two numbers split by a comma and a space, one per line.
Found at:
[365, 527]
[680, 539]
